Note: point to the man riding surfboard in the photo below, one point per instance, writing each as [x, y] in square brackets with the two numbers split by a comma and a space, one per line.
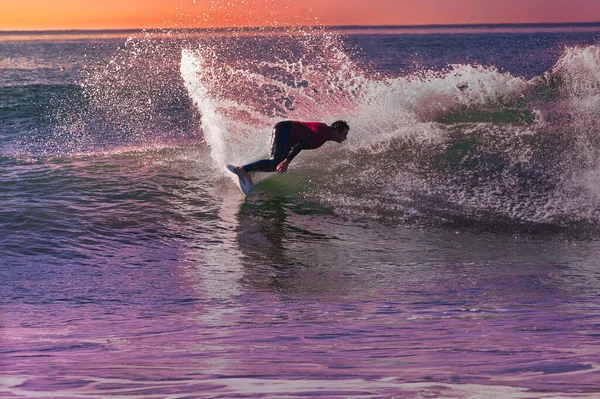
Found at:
[289, 138]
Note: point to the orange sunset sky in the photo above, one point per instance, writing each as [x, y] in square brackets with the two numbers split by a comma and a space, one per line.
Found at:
[124, 14]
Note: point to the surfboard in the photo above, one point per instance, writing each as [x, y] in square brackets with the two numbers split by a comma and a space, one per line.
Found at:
[244, 186]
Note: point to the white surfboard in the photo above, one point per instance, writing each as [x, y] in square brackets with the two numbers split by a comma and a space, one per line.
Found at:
[244, 186]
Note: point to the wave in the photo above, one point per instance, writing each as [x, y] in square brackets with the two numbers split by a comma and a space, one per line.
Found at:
[468, 145]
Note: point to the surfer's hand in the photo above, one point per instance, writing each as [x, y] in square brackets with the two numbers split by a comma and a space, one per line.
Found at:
[283, 166]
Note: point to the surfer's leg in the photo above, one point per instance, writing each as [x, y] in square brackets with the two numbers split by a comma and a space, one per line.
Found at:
[264, 165]
[279, 147]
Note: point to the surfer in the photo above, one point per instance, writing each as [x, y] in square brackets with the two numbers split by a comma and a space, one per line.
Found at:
[289, 138]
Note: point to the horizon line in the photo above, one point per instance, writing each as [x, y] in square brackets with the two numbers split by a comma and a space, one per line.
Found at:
[250, 28]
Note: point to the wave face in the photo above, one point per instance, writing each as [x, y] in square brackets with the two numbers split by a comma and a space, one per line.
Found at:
[465, 145]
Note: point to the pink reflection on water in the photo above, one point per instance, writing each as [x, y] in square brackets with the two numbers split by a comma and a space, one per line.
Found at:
[213, 321]
[260, 346]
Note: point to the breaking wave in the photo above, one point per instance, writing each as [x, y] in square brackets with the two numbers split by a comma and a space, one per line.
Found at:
[465, 146]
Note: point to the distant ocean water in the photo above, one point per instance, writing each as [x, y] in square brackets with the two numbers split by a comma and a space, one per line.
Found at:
[450, 248]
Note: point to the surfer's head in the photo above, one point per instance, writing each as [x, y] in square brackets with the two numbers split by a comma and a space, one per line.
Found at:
[339, 131]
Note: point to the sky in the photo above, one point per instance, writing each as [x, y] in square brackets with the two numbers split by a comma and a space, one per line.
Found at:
[134, 14]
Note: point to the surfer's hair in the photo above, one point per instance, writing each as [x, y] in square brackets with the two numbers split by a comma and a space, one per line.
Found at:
[340, 125]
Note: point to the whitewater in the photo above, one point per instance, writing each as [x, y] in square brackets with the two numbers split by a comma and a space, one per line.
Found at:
[476, 141]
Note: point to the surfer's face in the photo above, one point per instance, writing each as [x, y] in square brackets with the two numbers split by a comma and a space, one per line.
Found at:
[340, 135]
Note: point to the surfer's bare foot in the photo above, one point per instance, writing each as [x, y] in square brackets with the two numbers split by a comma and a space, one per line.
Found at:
[242, 174]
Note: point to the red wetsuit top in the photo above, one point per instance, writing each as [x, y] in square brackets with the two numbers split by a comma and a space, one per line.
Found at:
[311, 134]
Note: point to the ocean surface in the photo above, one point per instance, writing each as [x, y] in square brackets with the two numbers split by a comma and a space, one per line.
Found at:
[450, 248]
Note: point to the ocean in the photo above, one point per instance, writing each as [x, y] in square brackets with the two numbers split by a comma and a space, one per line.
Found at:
[450, 248]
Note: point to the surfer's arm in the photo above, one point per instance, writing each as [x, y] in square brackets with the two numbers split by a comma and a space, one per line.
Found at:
[283, 165]
[296, 149]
